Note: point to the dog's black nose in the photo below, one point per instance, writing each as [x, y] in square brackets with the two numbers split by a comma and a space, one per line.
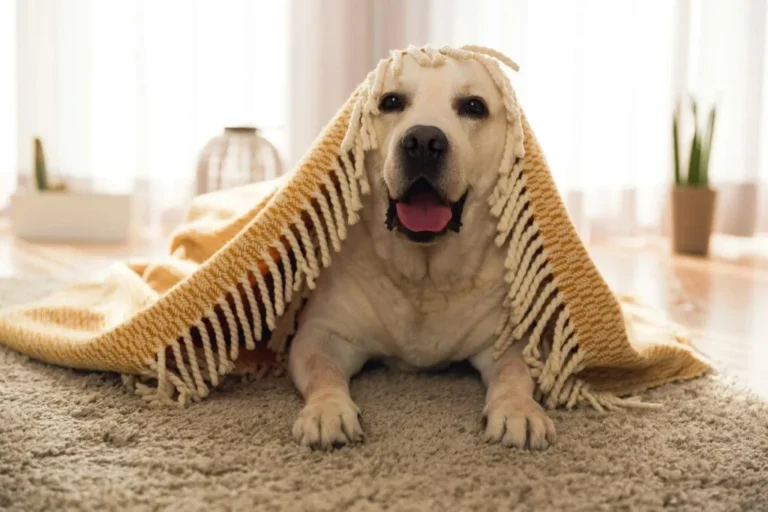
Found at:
[424, 145]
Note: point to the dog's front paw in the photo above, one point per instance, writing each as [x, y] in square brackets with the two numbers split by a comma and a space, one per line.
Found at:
[520, 423]
[327, 422]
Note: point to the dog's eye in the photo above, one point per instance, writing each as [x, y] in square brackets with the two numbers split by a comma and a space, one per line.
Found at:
[473, 107]
[392, 103]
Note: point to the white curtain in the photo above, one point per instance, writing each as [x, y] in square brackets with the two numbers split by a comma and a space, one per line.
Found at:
[125, 92]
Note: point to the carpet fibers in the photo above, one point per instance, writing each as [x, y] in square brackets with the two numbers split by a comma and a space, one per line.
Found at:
[74, 440]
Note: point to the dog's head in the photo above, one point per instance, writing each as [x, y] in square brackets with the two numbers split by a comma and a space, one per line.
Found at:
[441, 133]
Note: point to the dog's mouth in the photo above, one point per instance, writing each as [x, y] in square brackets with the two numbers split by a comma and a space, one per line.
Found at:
[422, 214]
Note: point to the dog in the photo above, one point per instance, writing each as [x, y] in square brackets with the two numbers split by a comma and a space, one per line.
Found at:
[420, 282]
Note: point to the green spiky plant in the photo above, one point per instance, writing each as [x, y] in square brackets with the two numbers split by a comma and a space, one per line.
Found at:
[41, 172]
[697, 174]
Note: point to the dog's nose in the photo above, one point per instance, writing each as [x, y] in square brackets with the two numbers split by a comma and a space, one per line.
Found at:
[424, 145]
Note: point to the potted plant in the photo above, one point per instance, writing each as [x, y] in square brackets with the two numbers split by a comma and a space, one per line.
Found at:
[52, 212]
[693, 200]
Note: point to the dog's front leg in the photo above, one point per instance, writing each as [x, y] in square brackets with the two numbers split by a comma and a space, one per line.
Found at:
[513, 418]
[321, 364]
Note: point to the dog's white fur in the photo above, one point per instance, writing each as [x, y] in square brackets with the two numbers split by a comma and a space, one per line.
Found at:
[415, 305]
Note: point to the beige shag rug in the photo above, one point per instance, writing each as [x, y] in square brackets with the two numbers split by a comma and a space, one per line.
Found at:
[79, 441]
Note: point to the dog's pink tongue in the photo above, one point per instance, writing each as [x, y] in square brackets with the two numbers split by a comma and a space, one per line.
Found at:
[424, 212]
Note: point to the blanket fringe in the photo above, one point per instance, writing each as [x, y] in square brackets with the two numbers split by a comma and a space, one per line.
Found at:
[263, 305]
[535, 308]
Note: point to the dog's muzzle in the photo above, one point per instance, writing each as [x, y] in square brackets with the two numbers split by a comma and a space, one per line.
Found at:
[422, 213]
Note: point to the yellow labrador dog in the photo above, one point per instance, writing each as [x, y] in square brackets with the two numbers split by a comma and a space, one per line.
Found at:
[420, 282]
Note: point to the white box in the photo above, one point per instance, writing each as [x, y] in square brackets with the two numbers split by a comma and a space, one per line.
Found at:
[71, 216]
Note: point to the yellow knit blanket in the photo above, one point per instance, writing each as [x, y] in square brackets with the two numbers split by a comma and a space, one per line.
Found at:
[225, 299]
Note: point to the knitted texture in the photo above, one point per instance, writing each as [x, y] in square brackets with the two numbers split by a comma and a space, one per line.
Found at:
[225, 299]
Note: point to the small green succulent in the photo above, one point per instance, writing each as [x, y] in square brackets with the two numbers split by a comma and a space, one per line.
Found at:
[697, 174]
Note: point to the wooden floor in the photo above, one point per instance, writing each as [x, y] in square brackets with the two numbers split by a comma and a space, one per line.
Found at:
[722, 300]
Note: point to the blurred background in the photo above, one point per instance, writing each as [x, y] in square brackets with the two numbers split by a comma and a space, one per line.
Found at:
[126, 94]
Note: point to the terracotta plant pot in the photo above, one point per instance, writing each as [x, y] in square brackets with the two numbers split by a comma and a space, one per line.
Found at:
[693, 213]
